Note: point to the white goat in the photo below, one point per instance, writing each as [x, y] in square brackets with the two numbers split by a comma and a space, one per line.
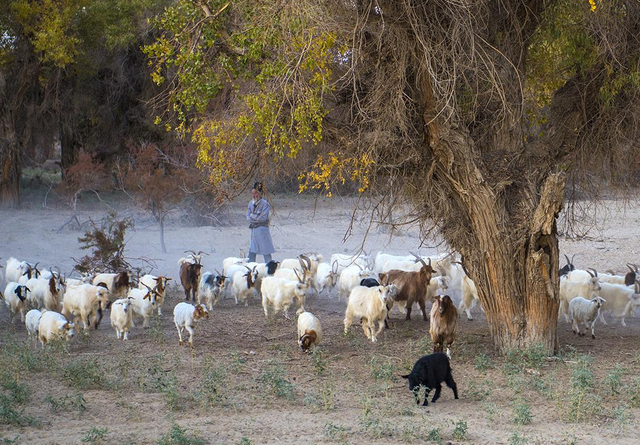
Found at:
[621, 300]
[15, 270]
[143, 302]
[572, 289]
[243, 284]
[469, 296]
[186, 316]
[309, 331]
[584, 311]
[45, 293]
[579, 275]
[327, 276]
[343, 261]
[54, 326]
[159, 284]
[15, 297]
[369, 304]
[87, 301]
[32, 323]
[382, 259]
[350, 277]
[116, 283]
[279, 293]
[122, 317]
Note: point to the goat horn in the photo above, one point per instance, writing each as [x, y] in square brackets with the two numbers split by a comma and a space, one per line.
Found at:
[419, 258]
[631, 268]
[190, 251]
[297, 275]
[200, 252]
[334, 267]
[568, 262]
[572, 257]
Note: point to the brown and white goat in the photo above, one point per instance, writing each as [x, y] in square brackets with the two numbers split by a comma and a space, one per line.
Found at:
[189, 277]
[442, 328]
[412, 286]
[158, 284]
[117, 284]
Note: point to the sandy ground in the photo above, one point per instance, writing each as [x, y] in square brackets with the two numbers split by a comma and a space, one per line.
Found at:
[247, 382]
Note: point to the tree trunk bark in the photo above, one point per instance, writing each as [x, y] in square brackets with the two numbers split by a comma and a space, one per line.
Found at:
[162, 245]
[509, 246]
[9, 173]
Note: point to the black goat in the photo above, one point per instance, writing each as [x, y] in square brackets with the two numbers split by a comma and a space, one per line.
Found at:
[430, 371]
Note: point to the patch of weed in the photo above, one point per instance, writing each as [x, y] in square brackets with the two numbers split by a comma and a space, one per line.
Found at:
[517, 439]
[211, 390]
[335, 431]
[382, 369]
[85, 374]
[319, 362]
[68, 402]
[483, 362]
[275, 378]
[179, 436]
[95, 435]
[522, 413]
[434, 435]
[460, 430]
[613, 381]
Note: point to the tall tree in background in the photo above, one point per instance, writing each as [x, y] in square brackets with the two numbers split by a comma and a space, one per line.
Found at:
[474, 112]
[70, 71]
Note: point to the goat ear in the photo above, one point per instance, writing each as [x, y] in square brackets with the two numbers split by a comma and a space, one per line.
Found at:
[405, 376]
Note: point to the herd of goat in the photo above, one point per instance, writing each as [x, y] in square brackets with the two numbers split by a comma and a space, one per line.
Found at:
[51, 305]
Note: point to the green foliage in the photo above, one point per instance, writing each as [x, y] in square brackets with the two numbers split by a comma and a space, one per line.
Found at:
[179, 436]
[434, 435]
[275, 378]
[95, 435]
[268, 54]
[211, 390]
[85, 374]
[582, 400]
[522, 413]
[12, 396]
[483, 362]
[561, 47]
[517, 360]
[68, 402]
[517, 439]
[614, 379]
[460, 430]
[382, 369]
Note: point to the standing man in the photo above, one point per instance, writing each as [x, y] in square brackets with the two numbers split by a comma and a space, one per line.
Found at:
[258, 217]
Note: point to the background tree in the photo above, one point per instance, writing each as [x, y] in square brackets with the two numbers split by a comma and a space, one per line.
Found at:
[476, 113]
[71, 75]
[157, 179]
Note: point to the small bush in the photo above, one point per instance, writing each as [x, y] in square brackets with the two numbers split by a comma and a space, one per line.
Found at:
[319, 362]
[12, 396]
[517, 439]
[382, 370]
[522, 413]
[67, 403]
[483, 362]
[460, 430]
[211, 390]
[434, 435]
[95, 435]
[85, 374]
[275, 378]
[179, 436]
[614, 379]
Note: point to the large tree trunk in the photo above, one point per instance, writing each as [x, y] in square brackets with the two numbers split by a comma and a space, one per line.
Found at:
[9, 171]
[510, 246]
[10, 153]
